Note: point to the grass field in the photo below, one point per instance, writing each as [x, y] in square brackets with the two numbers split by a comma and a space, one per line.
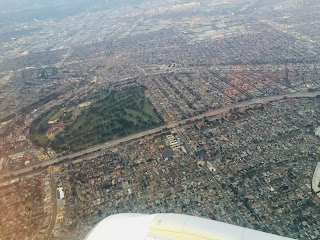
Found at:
[161, 142]
[57, 115]
[39, 128]
[116, 114]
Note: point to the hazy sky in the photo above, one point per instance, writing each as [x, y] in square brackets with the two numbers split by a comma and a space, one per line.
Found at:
[27, 10]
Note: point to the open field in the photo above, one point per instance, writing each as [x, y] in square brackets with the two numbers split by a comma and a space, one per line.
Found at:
[39, 128]
[117, 114]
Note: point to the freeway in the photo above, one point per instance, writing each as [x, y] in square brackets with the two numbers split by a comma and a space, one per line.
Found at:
[214, 112]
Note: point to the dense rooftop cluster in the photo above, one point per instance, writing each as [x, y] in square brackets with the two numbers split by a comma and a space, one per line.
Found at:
[259, 180]
[224, 128]
[23, 211]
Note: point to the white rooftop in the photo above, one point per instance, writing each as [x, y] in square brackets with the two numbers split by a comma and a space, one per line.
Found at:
[316, 178]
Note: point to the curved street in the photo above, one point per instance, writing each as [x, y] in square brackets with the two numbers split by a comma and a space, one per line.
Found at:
[111, 144]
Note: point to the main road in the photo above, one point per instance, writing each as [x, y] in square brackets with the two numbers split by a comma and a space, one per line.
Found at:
[219, 111]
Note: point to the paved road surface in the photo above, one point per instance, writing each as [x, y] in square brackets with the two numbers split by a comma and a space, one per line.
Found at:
[111, 144]
[53, 187]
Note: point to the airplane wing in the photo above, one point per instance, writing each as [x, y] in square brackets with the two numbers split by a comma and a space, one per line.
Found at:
[132, 226]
